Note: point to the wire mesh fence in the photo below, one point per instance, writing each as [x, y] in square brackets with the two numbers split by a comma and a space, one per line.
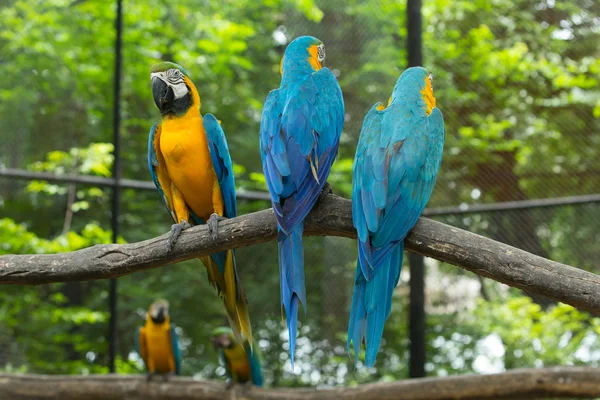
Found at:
[518, 83]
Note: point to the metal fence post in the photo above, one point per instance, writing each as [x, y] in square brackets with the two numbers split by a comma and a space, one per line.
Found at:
[417, 270]
[116, 172]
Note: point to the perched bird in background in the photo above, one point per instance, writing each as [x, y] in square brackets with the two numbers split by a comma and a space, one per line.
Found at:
[157, 341]
[242, 363]
[191, 167]
[397, 160]
[299, 136]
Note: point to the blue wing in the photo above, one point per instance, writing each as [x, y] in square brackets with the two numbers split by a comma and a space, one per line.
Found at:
[221, 160]
[255, 363]
[300, 131]
[396, 163]
[157, 168]
[223, 360]
[176, 352]
[394, 172]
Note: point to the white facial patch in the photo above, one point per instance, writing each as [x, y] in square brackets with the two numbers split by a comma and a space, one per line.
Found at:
[154, 310]
[321, 52]
[431, 80]
[173, 78]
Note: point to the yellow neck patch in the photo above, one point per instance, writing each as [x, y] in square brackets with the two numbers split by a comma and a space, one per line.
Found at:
[194, 92]
[314, 58]
[428, 97]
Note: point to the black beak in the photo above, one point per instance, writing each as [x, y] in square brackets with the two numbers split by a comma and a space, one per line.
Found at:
[163, 94]
[221, 341]
[160, 316]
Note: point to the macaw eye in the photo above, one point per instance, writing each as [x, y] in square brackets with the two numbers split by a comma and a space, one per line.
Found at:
[321, 52]
[174, 76]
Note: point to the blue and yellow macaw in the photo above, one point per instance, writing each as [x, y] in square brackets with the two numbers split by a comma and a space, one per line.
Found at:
[299, 135]
[157, 341]
[190, 164]
[397, 160]
[242, 363]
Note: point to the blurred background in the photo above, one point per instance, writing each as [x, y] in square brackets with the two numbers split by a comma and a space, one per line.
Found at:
[517, 81]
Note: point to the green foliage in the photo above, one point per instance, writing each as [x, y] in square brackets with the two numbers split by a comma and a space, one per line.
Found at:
[42, 329]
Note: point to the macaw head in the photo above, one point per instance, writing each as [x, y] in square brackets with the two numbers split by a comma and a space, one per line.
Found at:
[303, 54]
[222, 337]
[415, 83]
[159, 311]
[173, 91]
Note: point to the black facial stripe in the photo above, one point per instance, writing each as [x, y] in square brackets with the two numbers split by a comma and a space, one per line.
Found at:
[179, 106]
[174, 76]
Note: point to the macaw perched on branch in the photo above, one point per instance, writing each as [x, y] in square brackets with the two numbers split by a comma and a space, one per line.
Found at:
[299, 135]
[190, 164]
[157, 341]
[242, 362]
[397, 160]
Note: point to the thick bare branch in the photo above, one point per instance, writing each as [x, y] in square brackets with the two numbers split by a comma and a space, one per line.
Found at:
[528, 383]
[331, 217]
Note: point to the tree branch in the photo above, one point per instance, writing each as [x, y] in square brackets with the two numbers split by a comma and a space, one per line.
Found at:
[569, 382]
[332, 217]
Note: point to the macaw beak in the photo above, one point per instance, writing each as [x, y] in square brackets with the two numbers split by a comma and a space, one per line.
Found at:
[160, 316]
[220, 341]
[162, 93]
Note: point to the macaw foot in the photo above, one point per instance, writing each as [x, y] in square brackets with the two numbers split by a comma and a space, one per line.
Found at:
[165, 377]
[176, 230]
[149, 376]
[229, 384]
[324, 192]
[213, 225]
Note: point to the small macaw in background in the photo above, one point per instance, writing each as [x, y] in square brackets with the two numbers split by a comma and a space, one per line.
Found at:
[397, 160]
[191, 167]
[242, 363]
[299, 136]
[157, 341]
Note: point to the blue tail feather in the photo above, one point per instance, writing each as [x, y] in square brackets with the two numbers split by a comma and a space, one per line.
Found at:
[372, 302]
[291, 258]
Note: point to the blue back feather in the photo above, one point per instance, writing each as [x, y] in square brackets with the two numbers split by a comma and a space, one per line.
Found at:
[397, 160]
[301, 125]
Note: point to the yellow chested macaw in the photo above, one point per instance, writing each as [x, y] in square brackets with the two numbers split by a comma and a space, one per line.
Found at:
[242, 363]
[191, 167]
[397, 160]
[299, 137]
[157, 341]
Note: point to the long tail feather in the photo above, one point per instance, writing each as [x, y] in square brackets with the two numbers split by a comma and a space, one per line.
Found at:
[291, 268]
[225, 279]
[371, 304]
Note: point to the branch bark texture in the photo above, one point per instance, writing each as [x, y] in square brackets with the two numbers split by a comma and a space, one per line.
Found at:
[572, 382]
[331, 217]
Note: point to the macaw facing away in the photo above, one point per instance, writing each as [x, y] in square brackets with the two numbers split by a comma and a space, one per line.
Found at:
[397, 160]
[242, 362]
[157, 341]
[190, 164]
[299, 136]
